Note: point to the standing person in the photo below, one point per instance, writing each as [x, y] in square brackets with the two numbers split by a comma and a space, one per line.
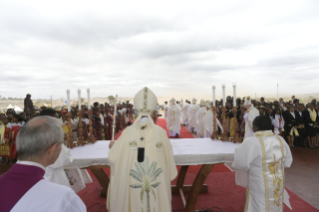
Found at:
[317, 140]
[291, 126]
[301, 125]
[208, 122]
[165, 108]
[311, 122]
[278, 122]
[28, 104]
[142, 163]
[264, 156]
[250, 115]
[185, 113]
[173, 119]
[199, 119]
[23, 188]
[192, 115]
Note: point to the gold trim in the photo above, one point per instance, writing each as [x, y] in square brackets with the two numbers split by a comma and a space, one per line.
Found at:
[247, 201]
[264, 173]
[282, 170]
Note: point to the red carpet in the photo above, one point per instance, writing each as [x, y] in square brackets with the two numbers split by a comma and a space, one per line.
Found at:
[223, 192]
[183, 134]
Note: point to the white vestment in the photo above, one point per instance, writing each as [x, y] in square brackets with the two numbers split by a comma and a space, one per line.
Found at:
[165, 108]
[55, 173]
[173, 120]
[208, 122]
[278, 124]
[199, 121]
[46, 196]
[141, 186]
[249, 118]
[185, 113]
[192, 116]
[264, 156]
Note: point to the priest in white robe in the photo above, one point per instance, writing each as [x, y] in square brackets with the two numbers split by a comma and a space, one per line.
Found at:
[184, 111]
[250, 115]
[192, 111]
[208, 122]
[199, 119]
[23, 187]
[264, 156]
[165, 108]
[142, 163]
[173, 119]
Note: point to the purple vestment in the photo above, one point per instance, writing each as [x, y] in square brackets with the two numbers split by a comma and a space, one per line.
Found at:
[16, 182]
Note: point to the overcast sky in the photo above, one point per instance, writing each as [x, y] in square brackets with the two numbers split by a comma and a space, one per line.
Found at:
[176, 48]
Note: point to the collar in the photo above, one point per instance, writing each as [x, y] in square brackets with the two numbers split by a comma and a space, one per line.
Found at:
[264, 133]
[31, 163]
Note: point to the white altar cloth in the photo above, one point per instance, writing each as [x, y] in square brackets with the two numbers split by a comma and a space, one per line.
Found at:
[188, 151]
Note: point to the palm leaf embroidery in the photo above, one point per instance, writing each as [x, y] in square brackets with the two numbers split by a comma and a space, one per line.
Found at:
[146, 175]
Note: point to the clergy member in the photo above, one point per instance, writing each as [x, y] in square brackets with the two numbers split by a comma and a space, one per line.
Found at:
[250, 115]
[264, 156]
[199, 119]
[185, 113]
[23, 188]
[165, 108]
[208, 122]
[142, 163]
[193, 109]
[173, 119]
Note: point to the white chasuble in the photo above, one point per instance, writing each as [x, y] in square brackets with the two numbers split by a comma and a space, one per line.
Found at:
[165, 107]
[185, 112]
[174, 118]
[208, 122]
[199, 121]
[264, 156]
[249, 117]
[141, 184]
[192, 111]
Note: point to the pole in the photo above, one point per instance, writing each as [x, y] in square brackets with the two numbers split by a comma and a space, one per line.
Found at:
[114, 118]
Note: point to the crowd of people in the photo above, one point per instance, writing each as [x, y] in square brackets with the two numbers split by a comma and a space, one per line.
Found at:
[141, 160]
[102, 121]
[296, 121]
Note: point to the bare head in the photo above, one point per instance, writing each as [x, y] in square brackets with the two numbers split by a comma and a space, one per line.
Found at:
[40, 140]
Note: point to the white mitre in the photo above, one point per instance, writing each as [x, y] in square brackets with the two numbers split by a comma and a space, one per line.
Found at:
[247, 101]
[208, 104]
[194, 100]
[145, 103]
[172, 101]
[202, 102]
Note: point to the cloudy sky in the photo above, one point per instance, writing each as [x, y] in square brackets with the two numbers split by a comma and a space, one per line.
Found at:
[176, 48]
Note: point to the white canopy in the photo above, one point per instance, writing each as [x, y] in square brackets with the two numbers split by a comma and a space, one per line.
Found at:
[9, 107]
[17, 109]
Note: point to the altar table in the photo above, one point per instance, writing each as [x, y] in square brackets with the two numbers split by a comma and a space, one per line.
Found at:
[187, 152]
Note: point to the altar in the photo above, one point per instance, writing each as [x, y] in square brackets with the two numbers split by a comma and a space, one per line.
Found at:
[187, 152]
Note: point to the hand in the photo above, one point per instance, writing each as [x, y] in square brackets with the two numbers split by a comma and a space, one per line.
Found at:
[111, 144]
[289, 125]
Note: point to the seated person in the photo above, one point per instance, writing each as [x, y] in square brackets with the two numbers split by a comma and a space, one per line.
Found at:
[264, 156]
[23, 187]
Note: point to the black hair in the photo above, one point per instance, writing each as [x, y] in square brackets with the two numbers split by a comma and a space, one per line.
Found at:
[47, 112]
[274, 111]
[262, 123]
